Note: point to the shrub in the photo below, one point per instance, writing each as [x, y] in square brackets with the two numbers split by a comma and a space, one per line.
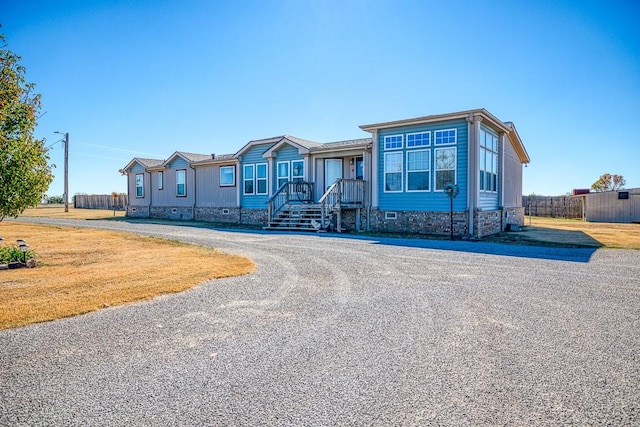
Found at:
[13, 253]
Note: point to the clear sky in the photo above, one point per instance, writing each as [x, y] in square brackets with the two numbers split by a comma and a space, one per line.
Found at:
[147, 78]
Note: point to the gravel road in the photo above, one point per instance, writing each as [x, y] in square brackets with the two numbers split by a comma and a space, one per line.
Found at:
[346, 331]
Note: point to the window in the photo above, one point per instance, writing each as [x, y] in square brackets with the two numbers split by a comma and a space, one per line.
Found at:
[393, 142]
[283, 173]
[488, 161]
[261, 178]
[445, 136]
[160, 180]
[181, 183]
[248, 178]
[445, 167]
[393, 172]
[297, 170]
[422, 139]
[227, 176]
[418, 170]
[139, 185]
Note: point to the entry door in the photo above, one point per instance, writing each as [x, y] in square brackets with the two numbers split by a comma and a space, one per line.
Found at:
[635, 215]
[332, 172]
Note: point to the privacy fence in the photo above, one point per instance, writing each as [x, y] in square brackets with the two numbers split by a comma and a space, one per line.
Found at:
[100, 201]
[553, 206]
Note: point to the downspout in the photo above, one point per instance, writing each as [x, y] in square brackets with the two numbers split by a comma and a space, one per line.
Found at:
[195, 192]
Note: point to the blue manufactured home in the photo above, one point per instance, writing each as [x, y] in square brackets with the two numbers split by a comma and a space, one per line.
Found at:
[395, 181]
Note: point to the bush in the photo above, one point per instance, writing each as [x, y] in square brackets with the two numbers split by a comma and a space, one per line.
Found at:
[13, 253]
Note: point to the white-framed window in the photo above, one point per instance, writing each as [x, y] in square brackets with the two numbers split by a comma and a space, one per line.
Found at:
[282, 173]
[160, 180]
[139, 185]
[445, 136]
[297, 170]
[418, 170]
[393, 172]
[445, 167]
[393, 142]
[261, 179]
[419, 139]
[489, 149]
[248, 179]
[227, 176]
[181, 183]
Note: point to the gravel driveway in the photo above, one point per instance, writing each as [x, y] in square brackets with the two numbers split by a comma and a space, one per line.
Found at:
[346, 331]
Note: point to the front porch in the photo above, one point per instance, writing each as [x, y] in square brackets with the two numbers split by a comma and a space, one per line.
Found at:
[292, 206]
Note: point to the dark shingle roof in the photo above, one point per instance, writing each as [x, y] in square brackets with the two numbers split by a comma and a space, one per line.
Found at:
[343, 144]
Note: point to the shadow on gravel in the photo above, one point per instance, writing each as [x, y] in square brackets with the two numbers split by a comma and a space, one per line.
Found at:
[527, 249]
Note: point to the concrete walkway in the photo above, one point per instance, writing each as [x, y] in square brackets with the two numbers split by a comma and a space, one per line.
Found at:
[343, 331]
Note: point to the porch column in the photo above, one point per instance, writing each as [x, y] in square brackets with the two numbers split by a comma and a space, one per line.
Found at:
[473, 164]
[373, 169]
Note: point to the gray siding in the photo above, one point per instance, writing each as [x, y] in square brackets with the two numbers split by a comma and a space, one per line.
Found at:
[168, 195]
[131, 180]
[512, 170]
[208, 190]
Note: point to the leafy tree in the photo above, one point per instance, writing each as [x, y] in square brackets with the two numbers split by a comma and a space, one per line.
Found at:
[608, 182]
[25, 174]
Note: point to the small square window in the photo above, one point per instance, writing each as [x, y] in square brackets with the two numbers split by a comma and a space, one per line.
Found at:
[393, 142]
[227, 176]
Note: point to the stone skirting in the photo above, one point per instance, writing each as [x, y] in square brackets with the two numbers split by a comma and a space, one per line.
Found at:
[514, 216]
[418, 222]
[254, 216]
[486, 223]
[138, 211]
[180, 213]
[208, 214]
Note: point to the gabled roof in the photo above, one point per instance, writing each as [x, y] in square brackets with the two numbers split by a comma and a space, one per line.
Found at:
[302, 145]
[145, 163]
[487, 117]
[293, 140]
[188, 157]
[342, 145]
[215, 158]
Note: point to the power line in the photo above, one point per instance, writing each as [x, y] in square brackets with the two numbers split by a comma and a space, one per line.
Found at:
[114, 148]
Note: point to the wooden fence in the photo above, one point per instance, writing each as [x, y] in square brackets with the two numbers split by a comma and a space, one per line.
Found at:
[553, 206]
[100, 201]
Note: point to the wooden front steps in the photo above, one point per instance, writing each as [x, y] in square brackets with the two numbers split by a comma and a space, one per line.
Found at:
[298, 217]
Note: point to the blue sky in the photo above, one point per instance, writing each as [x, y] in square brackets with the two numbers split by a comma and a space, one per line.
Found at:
[146, 78]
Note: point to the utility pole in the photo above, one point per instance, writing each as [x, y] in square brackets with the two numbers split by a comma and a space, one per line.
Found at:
[66, 170]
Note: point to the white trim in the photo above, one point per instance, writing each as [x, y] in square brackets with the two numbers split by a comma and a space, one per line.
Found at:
[435, 168]
[390, 216]
[384, 142]
[233, 183]
[428, 170]
[428, 132]
[493, 155]
[435, 137]
[384, 172]
[252, 179]
[266, 179]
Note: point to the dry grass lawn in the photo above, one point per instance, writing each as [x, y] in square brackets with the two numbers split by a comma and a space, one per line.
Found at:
[82, 270]
[57, 211]
[610, 235]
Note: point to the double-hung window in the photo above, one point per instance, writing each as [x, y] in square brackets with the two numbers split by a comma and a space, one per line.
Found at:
[489, 149]
[445, 167]
[418, 162]
[283, 173]
[181, 183]
[160, 180]
[248, 178]
[139, 185]
[393, 172]
[261, 179]
[227, 176]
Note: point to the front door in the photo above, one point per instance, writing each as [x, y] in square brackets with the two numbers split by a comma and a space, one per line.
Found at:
[332, 172]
